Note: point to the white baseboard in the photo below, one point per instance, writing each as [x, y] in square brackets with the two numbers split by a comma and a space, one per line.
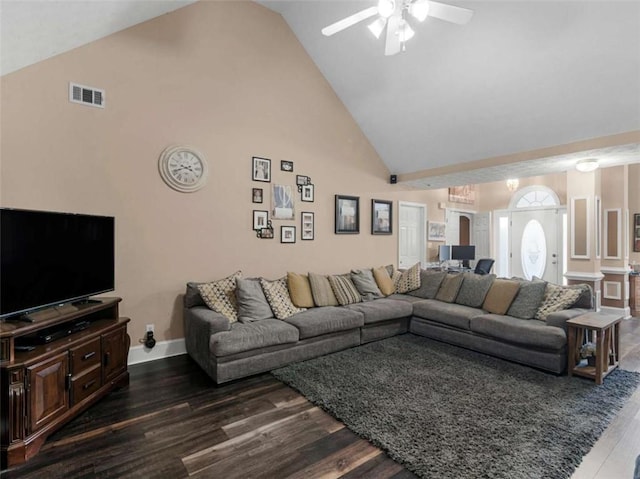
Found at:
[162, 349]
[624, 312]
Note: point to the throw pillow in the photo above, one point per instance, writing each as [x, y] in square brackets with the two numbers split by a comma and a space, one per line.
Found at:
[321, 290]
[556, 298]
[366, 285]
[300, 290]
[252, 304]
[383, 280]
[409, 280]
[221, 295]
[278, 297]
[192, 296]
[344, 289]
[474, 289]
[500, 296]
[585, 300]
[528, 300]
[429, 283]
[449, 288]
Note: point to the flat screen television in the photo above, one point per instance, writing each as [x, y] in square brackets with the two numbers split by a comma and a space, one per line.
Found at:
[49, 258]
[463, 253]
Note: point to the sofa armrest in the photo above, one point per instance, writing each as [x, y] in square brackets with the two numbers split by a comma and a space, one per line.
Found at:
[200, 323]
[559, 318]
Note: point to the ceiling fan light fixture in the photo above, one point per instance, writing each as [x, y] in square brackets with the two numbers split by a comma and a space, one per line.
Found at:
[405, 32]
[386, 8]
[378, 26]
[419, 10]
[586, 165]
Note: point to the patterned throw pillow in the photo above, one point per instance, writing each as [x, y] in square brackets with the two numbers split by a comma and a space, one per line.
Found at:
[321, 290]
[344, 289]
[278, 297]
[300, 290]
[408, 280]
[556, 298]
[528, 299]
[450, 287]
[221, 296]
[383, 280]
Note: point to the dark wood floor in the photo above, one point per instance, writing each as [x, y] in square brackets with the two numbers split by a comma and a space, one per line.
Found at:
[172, 422]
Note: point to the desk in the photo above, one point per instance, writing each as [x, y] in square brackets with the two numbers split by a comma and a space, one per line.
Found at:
[606, 328]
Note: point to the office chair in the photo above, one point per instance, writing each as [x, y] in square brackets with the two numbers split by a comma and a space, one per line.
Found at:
[483, 266]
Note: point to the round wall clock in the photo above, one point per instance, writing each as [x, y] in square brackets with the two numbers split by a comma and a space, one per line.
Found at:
[183, 168]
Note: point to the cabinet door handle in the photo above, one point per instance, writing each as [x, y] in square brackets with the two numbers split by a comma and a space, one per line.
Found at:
[67, 382]
[89, 384]
[88, 355]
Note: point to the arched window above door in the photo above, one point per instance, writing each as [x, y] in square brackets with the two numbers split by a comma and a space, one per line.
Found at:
[536, 196]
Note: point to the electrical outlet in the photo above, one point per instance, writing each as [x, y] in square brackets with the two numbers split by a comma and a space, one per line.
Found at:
[150, 328]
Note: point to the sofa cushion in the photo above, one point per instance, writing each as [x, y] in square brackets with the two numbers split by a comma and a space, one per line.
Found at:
[383, 310]
[277, 294]
[501, 295]
[409, 280]
[300, 290]
[452, 314]
[449, 288]
[220, 295]
[254, 335]
[430, 282]
[321, 290]
[252, 303]
[528, 300]
[344, 289]
[383, 280]
[366, 284]
[319, 321]
[556, 298]
[474, 289]
[406, 297]
[531, 333]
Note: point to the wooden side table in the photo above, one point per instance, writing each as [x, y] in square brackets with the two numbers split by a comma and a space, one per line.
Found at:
[606, 328]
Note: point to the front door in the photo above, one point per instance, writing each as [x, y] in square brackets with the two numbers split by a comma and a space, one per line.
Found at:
[534, 244]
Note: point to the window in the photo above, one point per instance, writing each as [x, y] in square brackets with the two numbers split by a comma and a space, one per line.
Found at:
[534, 197]
[533, 250]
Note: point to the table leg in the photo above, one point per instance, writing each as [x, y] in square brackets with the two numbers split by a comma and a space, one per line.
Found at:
[600, 354]
[572, 350]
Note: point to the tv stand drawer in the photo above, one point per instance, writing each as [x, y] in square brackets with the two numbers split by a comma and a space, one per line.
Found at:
[86, 384]
[86, 356]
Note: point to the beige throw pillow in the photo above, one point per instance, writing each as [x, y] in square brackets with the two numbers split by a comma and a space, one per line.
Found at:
[220, 296]
[500, 296]
[383, 280]
[556, 298]
[300, 290]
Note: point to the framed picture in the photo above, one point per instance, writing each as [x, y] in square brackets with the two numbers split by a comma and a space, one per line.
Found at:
[435, 231]
[347, 215]
[261, 169]
[287, 234]
[636, 236]
[307, 226]
[282, 202]
[257, 195]
[286, 166]
[260, 219]
[307, 193]
[302, 180]
[463, 194]
[266, 233]
[381, 217]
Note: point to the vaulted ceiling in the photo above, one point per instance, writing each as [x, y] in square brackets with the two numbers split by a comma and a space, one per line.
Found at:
[525, 88]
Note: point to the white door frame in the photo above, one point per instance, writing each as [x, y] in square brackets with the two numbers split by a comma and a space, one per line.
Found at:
[423, 238]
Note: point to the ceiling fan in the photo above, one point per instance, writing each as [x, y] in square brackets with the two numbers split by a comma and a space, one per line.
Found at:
[392, 14]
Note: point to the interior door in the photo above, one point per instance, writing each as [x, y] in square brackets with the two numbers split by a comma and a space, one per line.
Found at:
[452, 230]
[411, 236]
[481, 234]
[534, 244]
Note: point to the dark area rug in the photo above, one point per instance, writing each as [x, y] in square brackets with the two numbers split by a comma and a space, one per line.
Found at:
[446, 412]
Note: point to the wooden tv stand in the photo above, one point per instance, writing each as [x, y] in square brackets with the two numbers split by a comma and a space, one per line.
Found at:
[46, 387]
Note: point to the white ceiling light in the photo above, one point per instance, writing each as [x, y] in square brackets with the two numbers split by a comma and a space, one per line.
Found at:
[386, 8]
[419, 9]
[377, 26]
[512, 184]
[405, 32]
[586, 165]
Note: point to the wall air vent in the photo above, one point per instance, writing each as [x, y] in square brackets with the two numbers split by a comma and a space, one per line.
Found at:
[86, 95]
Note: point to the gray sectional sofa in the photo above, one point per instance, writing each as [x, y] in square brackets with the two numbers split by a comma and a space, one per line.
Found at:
[230, 350]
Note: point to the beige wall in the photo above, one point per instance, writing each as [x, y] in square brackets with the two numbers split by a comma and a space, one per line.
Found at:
[228, 78]
[634, 206]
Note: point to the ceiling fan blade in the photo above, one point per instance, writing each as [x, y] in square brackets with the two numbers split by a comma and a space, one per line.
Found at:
[392, 45]
[349, 21]
[450, 13]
